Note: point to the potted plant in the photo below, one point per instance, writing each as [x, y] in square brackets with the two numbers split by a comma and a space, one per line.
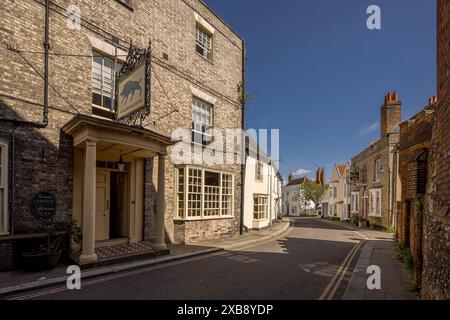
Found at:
[57, 238]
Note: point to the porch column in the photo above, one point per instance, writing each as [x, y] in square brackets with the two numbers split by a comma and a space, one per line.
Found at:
[88, 244]
[160, 204]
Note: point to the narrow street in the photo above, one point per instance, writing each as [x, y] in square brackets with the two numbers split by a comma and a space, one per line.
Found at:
[312, 261]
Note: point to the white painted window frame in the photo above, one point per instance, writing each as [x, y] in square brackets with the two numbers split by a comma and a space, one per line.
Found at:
[209, 126]
[259, 171]
[373, 195]
[377, 171]
[202, 216]
[116, 64]
[4, 229]
[262, 213]
[355, 202]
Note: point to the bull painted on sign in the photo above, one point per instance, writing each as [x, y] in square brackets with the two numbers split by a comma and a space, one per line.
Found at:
[130, 88]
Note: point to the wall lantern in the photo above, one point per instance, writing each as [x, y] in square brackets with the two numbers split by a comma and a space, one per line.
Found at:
[122, 166]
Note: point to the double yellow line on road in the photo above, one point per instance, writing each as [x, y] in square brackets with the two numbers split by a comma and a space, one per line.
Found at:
[334, 284]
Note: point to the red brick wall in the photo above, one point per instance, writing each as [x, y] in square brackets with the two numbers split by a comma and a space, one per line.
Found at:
[442, 135]
[436, 219]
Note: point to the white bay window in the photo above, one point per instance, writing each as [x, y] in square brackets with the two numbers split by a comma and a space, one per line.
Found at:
[204, 194]
[259, 207]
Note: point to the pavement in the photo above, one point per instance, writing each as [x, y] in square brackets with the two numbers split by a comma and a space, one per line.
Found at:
[16, 281]
[378, 250]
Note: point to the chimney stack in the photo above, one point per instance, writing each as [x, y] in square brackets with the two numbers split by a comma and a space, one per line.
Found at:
[290, 178]
[320, 176]
[391, 113]
[432, 100]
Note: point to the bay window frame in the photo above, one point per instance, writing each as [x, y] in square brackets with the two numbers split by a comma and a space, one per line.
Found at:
[202, 216]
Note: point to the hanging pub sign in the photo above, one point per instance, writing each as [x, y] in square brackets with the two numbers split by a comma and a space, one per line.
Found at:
[43, 207]
[133, 87]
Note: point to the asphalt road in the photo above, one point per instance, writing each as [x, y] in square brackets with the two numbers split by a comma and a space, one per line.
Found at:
[307, 263]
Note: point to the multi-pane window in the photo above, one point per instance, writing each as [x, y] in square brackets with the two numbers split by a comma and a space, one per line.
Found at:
[204, 42]
[3, 187]
[103, 81]
[208, 194]
[202, 121]
[212, 194]
[259, 207]
[180, 192]
[377, 172]
[375, 202]
[259, 167]
[355, 202]
[194, 194]
[227, 194]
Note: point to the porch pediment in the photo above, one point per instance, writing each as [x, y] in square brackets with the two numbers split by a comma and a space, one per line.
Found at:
[139, 140]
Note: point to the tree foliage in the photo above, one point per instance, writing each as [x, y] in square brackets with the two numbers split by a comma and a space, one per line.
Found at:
[313, 192]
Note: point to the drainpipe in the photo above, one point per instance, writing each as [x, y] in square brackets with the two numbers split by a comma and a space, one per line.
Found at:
[241, 223]
[394, 186]
[46, 51]
[270, 193]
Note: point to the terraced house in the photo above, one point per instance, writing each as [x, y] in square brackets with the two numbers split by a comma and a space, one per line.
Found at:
[375, 185]
[82, 145]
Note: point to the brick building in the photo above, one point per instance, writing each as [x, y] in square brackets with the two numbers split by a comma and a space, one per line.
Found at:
[375, 186]
[413, 155]
[436, 215]
[196, 84]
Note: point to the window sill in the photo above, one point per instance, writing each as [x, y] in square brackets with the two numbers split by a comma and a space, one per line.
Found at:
[129, 6]
[375, 215]
[204, 219]
[205, 59]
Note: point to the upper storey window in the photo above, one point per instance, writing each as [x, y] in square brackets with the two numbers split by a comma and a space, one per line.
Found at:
[103, 82]
[204, 42]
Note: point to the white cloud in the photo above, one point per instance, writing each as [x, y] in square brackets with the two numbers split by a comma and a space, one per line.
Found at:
[369, 129]
[301, 172]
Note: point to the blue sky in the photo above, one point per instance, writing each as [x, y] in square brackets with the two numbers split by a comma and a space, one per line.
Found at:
[320, 76]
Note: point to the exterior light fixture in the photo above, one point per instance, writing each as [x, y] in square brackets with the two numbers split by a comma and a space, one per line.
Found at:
[122, 166]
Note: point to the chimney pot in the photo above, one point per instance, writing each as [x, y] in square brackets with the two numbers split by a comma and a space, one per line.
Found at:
[432, 100]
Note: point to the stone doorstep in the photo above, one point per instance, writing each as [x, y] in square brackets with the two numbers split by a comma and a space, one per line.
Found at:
[98, 270]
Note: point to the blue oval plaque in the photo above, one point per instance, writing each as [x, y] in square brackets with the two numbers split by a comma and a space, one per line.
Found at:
[43, 207]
